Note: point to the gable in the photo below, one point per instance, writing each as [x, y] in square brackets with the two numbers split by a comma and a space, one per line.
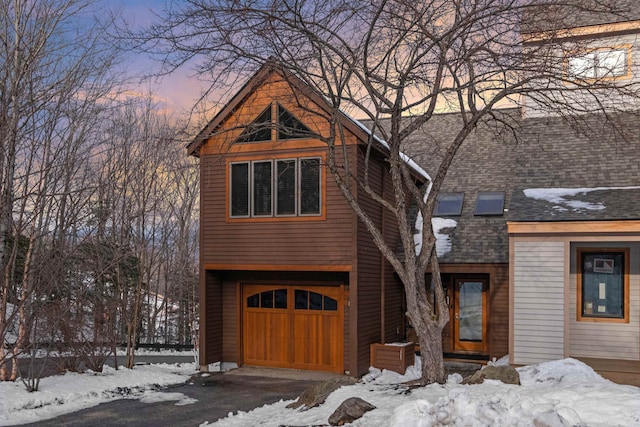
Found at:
[272, 113]
[258, 130]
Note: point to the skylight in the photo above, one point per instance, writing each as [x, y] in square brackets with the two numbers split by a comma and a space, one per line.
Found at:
[489, 203]
[449, 204]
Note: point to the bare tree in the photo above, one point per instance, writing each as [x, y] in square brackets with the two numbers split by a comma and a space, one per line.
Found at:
[54, 69]
[397, 63]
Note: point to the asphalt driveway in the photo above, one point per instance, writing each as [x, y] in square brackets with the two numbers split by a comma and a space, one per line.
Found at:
[217, 395]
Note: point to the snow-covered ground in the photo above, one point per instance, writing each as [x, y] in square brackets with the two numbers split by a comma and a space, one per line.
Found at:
[62, 394]
[553, 394]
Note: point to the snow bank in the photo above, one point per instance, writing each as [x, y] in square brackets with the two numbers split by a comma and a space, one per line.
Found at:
[556, 394]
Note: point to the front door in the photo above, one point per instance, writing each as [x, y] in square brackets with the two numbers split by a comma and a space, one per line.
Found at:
[470, 315]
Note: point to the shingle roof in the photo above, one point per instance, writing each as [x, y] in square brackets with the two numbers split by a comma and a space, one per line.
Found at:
[484, 163]
[563, 204]
[578, 13]
[548, 154]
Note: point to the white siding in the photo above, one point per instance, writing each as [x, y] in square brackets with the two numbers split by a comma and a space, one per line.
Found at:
[538, 296]
[582, 99]
[602, 339]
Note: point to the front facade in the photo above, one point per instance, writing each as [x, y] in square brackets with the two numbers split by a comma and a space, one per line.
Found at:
[538, 237]
[574, 217]
[574, 236]
[289, 277]
[472, 241]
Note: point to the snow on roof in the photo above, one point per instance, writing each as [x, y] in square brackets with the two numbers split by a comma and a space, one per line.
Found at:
[443, 241]
[560, 196]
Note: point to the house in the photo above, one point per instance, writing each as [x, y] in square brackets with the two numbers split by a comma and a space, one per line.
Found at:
[574, 216]
[568, 234]
[289, 277]
[538, 241]
[472, 239]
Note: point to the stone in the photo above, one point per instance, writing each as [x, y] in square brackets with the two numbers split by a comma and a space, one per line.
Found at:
[318, 393]
[507, 374]
[349, 411]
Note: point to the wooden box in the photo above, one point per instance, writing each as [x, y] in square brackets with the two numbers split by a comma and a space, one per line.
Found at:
[395, 356]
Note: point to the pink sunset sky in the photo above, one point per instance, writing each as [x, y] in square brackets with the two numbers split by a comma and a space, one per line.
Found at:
[178, 91]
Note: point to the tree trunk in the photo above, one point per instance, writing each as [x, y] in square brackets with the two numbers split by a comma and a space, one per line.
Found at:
[431, 355]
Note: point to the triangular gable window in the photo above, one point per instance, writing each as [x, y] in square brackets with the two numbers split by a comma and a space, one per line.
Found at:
[259, 130]
[289, 126]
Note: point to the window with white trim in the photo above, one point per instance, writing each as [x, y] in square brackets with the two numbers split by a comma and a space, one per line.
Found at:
[601, 63]
[275, 188]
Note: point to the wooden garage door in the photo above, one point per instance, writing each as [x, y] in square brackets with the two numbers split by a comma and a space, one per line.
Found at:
[297, 327]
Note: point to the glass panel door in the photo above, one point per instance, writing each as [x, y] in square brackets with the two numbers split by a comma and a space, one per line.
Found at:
[470, 315]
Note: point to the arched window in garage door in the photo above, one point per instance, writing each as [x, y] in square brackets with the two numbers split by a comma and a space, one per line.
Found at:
[307, 300]
[276, 298]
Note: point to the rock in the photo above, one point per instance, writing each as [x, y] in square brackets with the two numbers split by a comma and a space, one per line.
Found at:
[349, 411]
[506, 374]
[318, 393]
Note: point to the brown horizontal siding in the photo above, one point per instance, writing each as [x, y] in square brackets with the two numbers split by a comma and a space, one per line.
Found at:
[499, 312]
[211, 318]
[283, 242]
[230, 345]
[369, 268]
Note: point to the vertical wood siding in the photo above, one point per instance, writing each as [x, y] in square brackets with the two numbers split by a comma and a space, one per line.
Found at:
[538, 309]
[602, 339]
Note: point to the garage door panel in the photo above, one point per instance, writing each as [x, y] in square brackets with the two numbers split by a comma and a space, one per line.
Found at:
[317, 340]
[267, 337]
[306, 334]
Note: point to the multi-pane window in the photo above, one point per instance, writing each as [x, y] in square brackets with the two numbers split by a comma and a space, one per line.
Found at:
[276, 298]
[307, 300]
[281, 188]
[602, 284]
[600, 63]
